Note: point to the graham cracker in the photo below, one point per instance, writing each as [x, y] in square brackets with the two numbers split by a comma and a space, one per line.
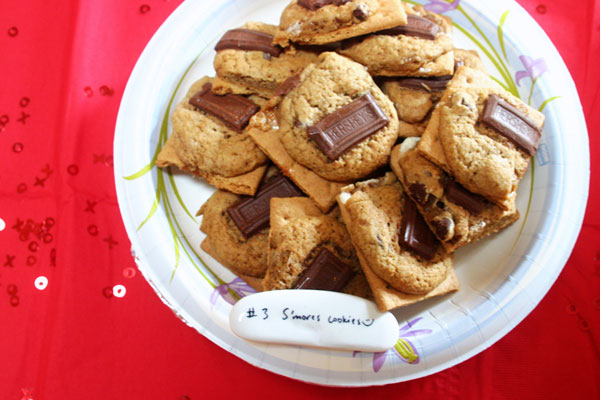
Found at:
[267, 137]
[241, 184]
[253, 282]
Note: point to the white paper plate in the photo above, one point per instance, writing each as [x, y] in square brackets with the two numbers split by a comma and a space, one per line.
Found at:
[503, 278]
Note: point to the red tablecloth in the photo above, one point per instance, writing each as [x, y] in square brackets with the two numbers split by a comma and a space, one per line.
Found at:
[63, 70]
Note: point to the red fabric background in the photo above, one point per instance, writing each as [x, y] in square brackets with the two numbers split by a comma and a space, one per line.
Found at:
[63, 71]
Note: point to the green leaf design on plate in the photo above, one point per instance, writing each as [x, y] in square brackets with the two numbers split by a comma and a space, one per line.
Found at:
[501, 33]
[152, 209]
[545, 103]
[180, 241]
[498, 62]
[147, 168]
[531, 90]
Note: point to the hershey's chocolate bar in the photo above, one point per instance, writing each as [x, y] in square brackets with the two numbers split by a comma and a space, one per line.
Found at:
[287, 86]
[414, 233]
[432, 84]
[251, 214]
[326, 272]
[469, 201]
[339, 131]
[234, 110]
[415, 26]
[316, 4]
[247, 39]
[511, 123]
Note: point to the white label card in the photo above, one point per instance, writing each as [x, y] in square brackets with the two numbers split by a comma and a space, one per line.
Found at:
[314, 318]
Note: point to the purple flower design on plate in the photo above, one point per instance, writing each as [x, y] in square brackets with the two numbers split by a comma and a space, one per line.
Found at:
[403, 348]
[533, 68]
[441, 6]
[238, 286]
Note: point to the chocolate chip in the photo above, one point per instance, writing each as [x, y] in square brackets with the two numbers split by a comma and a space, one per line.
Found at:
[418, 192]
[465, 103]
[443, 227]
[316, 4]
[431, 201]
[359, 13]
[443, 180]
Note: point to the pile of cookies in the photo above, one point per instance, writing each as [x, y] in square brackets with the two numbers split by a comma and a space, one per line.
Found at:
[353, 149]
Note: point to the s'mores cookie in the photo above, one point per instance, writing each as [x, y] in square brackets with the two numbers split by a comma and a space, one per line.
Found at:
[456, 216]
[264, 130]
[327, 21]
[311, 250]
[402, 260]
[415, 97]
[482, 136]
[336, 124]
[422, 47]
[237, 227]
[248, 63]
[209, 139]
[225, 242]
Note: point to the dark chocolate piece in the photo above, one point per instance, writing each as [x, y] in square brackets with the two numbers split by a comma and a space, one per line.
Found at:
[414, 234]
[247, 39]
[418, 192]
[415, 26]
[339, 131]
[347, 43]
[316, 4]
[326, 272]
[287, 86]
[433, 84]
[251, 214]
[511, 123]
[471, 202]
[318, 48]
[234, 110]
